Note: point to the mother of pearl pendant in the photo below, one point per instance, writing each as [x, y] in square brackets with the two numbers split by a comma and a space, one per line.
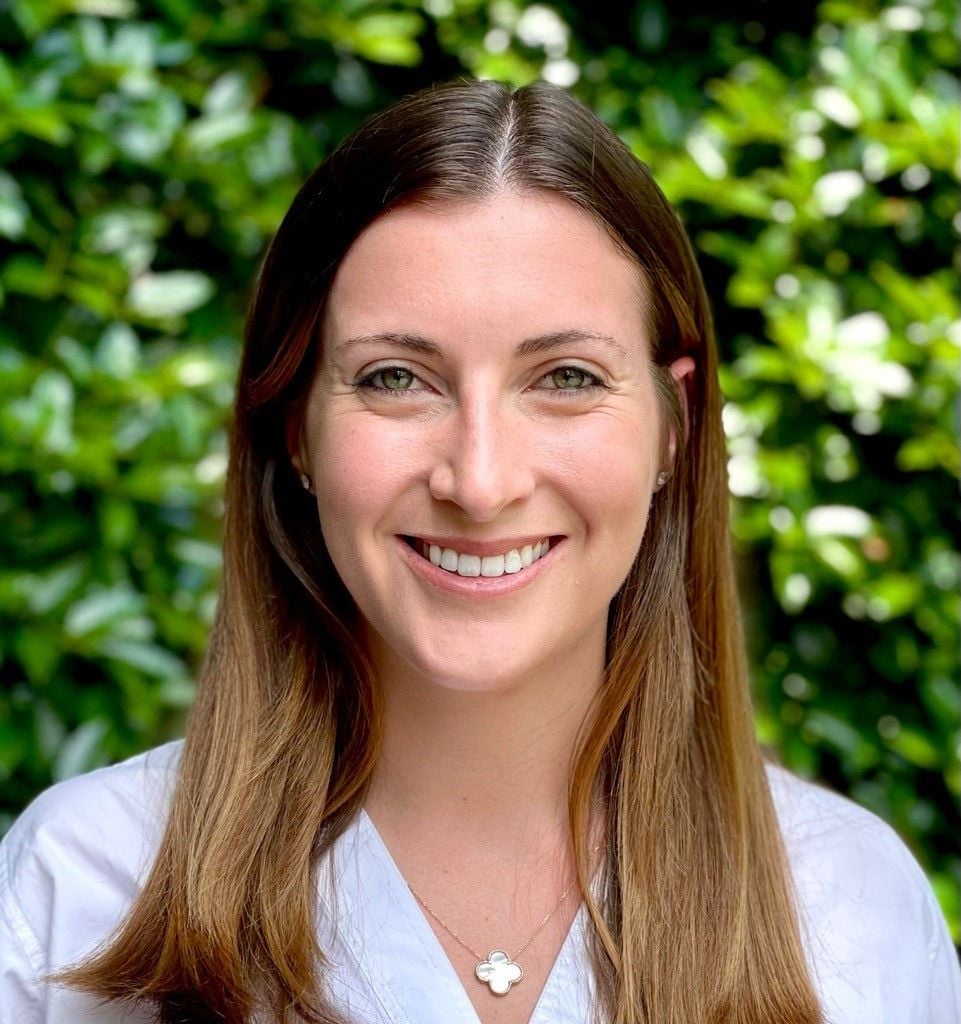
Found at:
[499, 972]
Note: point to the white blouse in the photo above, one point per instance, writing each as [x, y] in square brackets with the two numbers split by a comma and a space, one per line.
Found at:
[875, 937]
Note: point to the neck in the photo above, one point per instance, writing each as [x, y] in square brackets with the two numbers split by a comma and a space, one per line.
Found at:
[493, 765]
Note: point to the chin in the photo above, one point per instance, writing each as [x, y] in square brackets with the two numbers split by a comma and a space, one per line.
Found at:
[470, 673]
[475, 680]
[473, 685]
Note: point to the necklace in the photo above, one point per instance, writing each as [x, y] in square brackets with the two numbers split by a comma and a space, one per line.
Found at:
[498, 971]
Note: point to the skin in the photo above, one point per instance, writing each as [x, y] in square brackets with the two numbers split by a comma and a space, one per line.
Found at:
[484, 698]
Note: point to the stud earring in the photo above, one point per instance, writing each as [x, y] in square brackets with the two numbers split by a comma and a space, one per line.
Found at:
[305, 480]
[662, 478]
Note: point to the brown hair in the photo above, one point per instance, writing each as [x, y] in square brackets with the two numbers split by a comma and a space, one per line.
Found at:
[697, 922]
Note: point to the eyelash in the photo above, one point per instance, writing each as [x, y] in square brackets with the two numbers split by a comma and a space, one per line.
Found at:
[366, 382]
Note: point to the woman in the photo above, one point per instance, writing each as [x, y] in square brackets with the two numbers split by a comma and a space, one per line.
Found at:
[473, 740]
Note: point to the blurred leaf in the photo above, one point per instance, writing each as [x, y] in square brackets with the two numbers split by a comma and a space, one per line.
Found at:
[101, 608]
[80, 751]
[169, 294]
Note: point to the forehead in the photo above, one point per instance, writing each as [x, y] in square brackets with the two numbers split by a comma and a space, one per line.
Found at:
[514, 266]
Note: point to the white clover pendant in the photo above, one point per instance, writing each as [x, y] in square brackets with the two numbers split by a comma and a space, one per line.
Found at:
[499, 972]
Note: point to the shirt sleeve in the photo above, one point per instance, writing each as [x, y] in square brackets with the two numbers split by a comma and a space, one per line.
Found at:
[877, 941]
[21, 958]
[944, 978]
[69, 866]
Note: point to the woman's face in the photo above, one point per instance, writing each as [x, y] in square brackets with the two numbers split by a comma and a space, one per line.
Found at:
[470, 434]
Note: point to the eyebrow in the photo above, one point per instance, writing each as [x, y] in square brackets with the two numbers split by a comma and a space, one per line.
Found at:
[530, 346]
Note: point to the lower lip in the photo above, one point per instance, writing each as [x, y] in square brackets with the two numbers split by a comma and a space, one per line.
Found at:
[479, 586]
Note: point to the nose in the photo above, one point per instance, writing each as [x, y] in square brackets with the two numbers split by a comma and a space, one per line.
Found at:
[484, 458]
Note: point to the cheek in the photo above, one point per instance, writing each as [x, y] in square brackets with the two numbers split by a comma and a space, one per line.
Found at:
[362, 466]
[609, 460]
[607, 477]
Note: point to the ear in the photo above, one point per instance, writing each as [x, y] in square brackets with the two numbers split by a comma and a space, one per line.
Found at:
[681, 371]
[293, 440]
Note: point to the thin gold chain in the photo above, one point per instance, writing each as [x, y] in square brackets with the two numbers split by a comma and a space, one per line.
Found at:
[480, 956]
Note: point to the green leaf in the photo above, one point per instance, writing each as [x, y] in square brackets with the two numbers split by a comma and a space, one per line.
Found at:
[168, 294]
[99, 609]
[144, 656]
[81, 750]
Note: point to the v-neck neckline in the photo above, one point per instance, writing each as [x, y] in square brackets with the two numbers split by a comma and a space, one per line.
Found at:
[552, 999]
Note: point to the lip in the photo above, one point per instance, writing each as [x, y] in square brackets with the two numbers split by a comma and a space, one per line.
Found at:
[480, 586]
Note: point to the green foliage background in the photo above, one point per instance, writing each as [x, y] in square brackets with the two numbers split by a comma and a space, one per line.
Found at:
[149, 150]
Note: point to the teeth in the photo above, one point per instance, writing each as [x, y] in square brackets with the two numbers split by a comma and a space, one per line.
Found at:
[468, 565]
[491, 566]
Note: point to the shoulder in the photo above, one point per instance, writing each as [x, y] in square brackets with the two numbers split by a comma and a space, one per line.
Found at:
[73, 860]
[110, 810]
[841, 843]
[817, 821]
[875, 934]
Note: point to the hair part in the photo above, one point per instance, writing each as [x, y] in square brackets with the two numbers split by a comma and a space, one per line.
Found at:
[697, 922]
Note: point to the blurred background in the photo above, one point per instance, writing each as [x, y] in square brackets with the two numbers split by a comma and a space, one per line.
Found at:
[148, 152]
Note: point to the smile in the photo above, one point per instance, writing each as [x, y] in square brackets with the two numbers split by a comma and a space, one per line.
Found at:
[490, 566]
[499, 576]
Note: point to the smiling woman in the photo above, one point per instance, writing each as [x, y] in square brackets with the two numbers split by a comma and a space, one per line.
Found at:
[499, 452]
[477, 650]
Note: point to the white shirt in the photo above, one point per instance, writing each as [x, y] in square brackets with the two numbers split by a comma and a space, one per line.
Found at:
[875, 937]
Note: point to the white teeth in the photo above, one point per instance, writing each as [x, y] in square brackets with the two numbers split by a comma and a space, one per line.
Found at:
[491, 565]
[468, 565]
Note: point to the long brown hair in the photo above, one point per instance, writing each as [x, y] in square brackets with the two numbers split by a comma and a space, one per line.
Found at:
[696, 922]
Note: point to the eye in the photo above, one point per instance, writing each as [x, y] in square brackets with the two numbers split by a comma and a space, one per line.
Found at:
[567, 377]
[392, 375]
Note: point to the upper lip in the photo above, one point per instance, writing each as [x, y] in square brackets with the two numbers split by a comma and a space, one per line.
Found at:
[482, 548]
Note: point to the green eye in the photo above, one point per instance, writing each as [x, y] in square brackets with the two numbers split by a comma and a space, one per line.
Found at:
[392, 375]
[567, 374]
[567, 382]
